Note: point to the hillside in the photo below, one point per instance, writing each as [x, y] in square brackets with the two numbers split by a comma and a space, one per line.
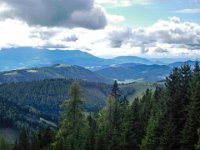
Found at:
[27, 57]
[131, 59]
[44, 97]
[58, 71]
[179, 64]
[136, 71]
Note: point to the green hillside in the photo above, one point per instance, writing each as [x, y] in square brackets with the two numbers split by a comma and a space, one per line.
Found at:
[43, 98]
[58, 71]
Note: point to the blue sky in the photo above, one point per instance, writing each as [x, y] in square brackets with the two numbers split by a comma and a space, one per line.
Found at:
[140, 15]
[105, 28]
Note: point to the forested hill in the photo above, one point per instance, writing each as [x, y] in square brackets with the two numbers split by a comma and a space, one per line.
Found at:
[30, 101]
[58, 71]
[45, 97]
[165, 119]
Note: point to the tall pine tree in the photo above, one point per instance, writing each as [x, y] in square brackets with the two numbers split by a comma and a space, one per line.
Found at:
[189, 135]
[71, 134]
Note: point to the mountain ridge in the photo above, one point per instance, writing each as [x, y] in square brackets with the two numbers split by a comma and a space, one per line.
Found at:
[57, 71]
[27, 57]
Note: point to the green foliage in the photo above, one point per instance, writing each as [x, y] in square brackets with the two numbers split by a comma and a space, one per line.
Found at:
[189, 134]
[90, 143]
[72, 132]
[167, 118]
[23, 142]
[151, 139]
[197, 146]
[4, 145]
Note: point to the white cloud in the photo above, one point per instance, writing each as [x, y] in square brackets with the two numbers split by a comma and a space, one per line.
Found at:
[166, 38]
[114, 3]
[170, 38]
[115, 18]
[124, 3]
[189, 11]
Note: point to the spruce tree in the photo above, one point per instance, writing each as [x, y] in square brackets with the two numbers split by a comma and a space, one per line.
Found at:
[197, 145]
[4, 145]
[108, 136]
[71, 134]
[154, 129]
[189, 134]
[23, 143]
[175, 114]
[135, 127]
[91, 141]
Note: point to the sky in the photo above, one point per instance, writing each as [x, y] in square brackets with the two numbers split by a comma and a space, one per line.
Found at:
[105, 28]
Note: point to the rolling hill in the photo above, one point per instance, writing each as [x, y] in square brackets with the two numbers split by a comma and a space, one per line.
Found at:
[179, 64]
[136, 71]
[131, 59]
[45, 97]
[27, 57]
[53, 72]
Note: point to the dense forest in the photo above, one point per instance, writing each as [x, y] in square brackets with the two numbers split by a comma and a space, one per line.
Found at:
[43, 98]
[165, 119]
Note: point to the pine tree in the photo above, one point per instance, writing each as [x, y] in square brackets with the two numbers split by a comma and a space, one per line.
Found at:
[91, 142]
[197, 146]
[135, 127]
[72, 132]
[108, 136]
[34, 144]
[4, 145]
[177, 97]
[189, 134]
[151, 139]
[115, 92]
[23, 143]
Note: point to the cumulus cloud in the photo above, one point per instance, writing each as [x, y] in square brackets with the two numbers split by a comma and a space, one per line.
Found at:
[66, 13]
[165, 36]
[125, 3]
[115, 3]
[189, 11]
[115, 18]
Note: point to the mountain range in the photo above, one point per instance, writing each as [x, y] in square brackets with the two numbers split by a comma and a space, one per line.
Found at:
[57, 71]
[26, 57]
[28, 64]
[136, 72]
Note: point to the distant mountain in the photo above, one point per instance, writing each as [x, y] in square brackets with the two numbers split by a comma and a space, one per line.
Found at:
[131, 59]
[57, 71]
[27, 57]
[179, 64]
[136, 71]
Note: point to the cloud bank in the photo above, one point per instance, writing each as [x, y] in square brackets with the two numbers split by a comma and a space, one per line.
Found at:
[166, 36]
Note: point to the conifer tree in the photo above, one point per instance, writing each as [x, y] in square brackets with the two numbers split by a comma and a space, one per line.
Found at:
[174, 119]
[72, 132]
[135, 127]
[189, 134]
[4, 145]
[23, 143]
[151, 139]
[197, 146]
[91, 141]
[108, 136]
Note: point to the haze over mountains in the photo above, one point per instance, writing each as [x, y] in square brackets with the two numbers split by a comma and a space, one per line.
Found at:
[28, 64]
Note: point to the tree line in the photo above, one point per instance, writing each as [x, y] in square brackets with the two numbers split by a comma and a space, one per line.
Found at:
[165, 119]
